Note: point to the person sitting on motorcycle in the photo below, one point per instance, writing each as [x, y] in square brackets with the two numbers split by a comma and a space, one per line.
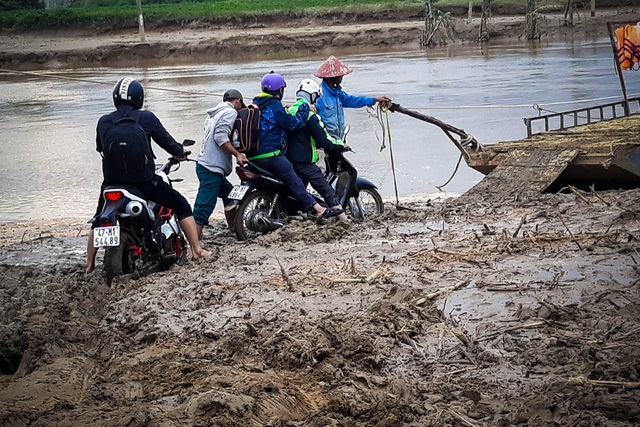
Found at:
[302, 144]
[333, 101]
[128, 96]
[274, 124]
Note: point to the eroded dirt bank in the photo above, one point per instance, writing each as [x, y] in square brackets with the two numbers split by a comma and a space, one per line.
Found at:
[270, 40]
[444, 314]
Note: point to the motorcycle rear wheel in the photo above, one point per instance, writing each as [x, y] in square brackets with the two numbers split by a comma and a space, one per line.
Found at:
[371, 202]
[254, 207]
[119, 260]
[176, 244]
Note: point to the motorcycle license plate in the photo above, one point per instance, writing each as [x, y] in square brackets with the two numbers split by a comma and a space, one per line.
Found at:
[238, 192]
[106, 236]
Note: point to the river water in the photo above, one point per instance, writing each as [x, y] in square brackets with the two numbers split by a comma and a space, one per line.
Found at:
[47, 121]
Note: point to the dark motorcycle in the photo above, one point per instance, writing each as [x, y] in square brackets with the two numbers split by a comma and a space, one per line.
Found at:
[266, 204]
[139, 236]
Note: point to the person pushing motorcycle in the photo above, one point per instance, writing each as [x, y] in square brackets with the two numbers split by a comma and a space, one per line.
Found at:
[128, 98]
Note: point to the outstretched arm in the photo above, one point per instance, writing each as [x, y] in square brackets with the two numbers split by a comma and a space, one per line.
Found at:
[162, 137]
[292, 122]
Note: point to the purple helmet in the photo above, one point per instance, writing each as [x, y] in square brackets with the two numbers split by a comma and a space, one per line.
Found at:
[272, 82]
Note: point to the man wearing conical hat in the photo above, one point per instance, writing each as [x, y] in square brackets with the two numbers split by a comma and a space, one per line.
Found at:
[333, 100]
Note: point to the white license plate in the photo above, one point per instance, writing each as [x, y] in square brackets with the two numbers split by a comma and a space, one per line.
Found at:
[106, 236]
[238, 192]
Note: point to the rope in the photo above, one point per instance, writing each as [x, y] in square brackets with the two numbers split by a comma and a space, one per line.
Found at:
[498, 106]
[76, 79]
[431, 107]
[383, 107]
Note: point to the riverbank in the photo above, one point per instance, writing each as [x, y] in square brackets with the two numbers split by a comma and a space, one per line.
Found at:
[440, 313]
[275, 40]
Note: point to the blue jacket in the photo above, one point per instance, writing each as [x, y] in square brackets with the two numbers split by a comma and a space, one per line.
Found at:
[274, 124]
[149, 122]
[331, 107]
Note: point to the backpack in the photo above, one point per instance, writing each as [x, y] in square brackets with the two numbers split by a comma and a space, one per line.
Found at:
[246, 130]
[127, 156]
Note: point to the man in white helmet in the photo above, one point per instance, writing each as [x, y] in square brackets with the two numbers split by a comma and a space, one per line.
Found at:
[302, 145]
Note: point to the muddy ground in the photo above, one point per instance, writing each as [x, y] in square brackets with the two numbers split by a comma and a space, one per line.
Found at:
[448, 313]
[274, 39]
[441, 313]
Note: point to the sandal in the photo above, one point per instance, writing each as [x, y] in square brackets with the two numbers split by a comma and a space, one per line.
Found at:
[330, 213]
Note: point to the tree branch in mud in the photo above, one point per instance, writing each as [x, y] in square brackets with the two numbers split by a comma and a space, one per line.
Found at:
[436, 23]
[483, 32]
[569, 8]
[284, 275]
[531, 325]
[570, 233]
[584, 381]
[531, 22]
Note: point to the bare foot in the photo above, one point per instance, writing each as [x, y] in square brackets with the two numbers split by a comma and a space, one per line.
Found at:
[89, 268]
[202, 254]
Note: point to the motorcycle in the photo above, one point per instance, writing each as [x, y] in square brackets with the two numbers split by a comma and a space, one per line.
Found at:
[139, 236]
[266, 204]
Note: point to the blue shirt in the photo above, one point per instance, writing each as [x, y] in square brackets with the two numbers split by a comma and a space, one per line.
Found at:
[331, 107]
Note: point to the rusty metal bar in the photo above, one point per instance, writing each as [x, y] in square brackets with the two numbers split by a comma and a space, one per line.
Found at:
[590, 118]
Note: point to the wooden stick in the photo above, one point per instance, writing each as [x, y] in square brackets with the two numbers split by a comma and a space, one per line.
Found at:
[445, 290]
[575, 191]
[522, 221]
[531, 325]
[460, 371]
[570, 233]
[462, 418]
[284, 274]
[593, 192]
[374, 275]
[582, 380]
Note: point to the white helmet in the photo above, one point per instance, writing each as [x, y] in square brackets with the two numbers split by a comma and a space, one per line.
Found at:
[311, 87]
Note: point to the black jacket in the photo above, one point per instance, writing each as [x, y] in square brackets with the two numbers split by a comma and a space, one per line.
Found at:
[149, 122]
[303, 142]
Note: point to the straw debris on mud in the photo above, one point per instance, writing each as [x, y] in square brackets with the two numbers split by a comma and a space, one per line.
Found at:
[519, 313]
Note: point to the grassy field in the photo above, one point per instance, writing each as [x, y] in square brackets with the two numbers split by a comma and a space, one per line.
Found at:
[103, 15]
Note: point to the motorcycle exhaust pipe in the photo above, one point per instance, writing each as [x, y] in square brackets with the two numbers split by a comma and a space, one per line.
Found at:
[134, 208]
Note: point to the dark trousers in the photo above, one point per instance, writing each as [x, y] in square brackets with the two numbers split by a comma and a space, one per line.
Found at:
[310, 173]
[282, 168]
[158, 192]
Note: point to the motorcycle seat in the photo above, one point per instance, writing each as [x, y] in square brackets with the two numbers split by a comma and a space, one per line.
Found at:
[253, 168]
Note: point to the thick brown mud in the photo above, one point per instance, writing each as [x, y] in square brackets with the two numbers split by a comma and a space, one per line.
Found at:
[438, 313]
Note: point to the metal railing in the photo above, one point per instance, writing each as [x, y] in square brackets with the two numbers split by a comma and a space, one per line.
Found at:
[583, 116]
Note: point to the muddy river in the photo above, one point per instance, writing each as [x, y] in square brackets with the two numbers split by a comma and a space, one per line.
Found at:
[47, 120]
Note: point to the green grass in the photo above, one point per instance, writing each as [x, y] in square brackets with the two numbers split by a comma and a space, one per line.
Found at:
[103, 15]
[123, 13]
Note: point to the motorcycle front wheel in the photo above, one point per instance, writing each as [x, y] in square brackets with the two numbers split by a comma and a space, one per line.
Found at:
[370, 204]
[119, 260]
[252, 218]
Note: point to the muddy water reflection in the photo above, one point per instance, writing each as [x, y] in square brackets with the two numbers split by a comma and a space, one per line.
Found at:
[50, 167]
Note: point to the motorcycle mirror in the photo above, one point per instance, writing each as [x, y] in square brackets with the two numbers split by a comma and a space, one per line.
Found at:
[188, 142]
[347, 128]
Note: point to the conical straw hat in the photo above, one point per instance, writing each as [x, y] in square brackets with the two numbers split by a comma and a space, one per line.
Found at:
[332, 67]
